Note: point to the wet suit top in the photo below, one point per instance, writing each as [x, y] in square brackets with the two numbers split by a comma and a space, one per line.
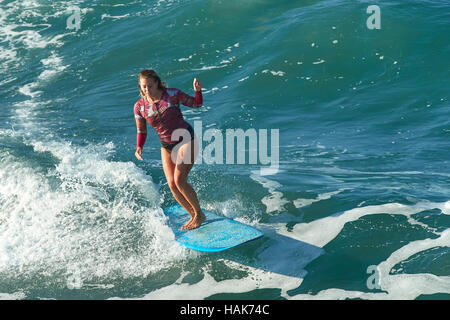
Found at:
[165, 115]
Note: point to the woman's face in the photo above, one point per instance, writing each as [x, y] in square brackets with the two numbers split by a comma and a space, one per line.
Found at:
[149, 86]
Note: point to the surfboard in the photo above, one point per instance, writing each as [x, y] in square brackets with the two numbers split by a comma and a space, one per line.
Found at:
[217, 233]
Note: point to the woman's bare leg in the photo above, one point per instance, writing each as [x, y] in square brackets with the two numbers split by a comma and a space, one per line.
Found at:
[169, 171]
[182, 169]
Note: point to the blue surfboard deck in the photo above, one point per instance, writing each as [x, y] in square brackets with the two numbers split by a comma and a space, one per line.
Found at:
[217, 233]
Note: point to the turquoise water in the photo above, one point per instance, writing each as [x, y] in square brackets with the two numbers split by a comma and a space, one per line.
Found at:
[359, 206]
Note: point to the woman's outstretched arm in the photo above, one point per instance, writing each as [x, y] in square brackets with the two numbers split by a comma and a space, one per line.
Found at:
[141, 126]
[189, 101]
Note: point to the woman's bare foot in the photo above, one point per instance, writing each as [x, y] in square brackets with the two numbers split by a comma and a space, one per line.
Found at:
[196, 221]
[185, 226]
[192, 214]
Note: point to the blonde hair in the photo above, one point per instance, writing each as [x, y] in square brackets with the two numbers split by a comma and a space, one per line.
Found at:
[150, 74]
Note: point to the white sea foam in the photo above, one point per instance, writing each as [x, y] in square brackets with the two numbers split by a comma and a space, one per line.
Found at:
[107, 16]
[209, 67]
[298, 203]
[275, 73]
[31, 39]
[7, 55]
[235, 209]
[446, 208]
[322, 231]
[16, 32]
[275, 201]
[53, 65]
[12, 296]
[274, 267]
[398, 286]
[256, 279]
[29, 90]
[185, 59]
[86, 218]
[81, 218]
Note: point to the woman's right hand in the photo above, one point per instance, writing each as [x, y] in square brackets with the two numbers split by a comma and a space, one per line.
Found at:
[197, 85]
[138, 153]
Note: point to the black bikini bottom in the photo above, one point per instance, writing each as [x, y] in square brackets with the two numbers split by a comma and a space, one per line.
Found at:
[170, 146]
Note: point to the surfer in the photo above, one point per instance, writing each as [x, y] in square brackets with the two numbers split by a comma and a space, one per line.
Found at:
[160, 107]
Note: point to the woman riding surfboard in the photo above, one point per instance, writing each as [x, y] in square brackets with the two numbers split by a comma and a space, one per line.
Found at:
[160, 107]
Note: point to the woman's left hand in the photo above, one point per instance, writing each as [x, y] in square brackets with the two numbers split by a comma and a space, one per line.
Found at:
[197, 85]
[138, 153]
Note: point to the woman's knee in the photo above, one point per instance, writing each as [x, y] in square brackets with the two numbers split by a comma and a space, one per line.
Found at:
[172, 185]
[180, 181]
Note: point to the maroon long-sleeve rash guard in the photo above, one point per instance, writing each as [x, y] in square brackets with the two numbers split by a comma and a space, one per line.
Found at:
[165, 115]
